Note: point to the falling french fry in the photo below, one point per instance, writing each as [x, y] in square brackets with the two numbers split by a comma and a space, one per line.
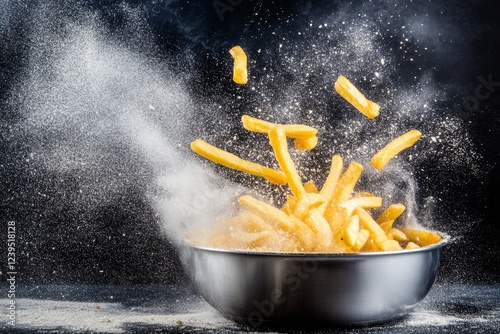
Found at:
[240, 71]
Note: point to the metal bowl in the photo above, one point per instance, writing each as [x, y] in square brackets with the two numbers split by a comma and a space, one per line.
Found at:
[352, 289]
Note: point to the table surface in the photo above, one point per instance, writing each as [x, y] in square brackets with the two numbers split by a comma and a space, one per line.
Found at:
[179, 309]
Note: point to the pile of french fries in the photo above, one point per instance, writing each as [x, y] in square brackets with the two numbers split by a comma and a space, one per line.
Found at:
[333, 219]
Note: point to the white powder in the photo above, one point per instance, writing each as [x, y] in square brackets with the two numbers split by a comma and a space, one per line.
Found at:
[110, 317]
[430, 318]
[112, 118]
[114, 317]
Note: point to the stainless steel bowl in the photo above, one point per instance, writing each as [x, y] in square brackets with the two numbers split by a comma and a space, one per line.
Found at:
[258, 288]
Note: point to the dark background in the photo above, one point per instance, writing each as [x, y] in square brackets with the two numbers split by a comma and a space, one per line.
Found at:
[121, 241]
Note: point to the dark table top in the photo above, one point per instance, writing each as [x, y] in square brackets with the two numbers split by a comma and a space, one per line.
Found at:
[179, 309]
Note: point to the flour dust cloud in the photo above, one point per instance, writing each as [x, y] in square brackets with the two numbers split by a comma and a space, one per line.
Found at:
[108, 108]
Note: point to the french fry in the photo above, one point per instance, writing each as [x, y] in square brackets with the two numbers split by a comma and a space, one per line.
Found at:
[347, 182]
[310, 187]
[350, 93]
[328, 189]
[267, 212]
[382, 157]
[362, 194]
[390, 245]
[321, 229]
[232, 161]
[306, 203]
[361, 240]
[344, 189]
[305, 144]
[296, 131]
[421, 237]
[391, 213]
[376, 231]
[331, 219]
[304, 235]
[240, 72]
[387, 225]
[396, 234]
[290, 205]
[277, 139]
[337, 218]
[363, 202]
[252, 223]
[281, 220]
[351, 231]
[412, 245]
[370, 245]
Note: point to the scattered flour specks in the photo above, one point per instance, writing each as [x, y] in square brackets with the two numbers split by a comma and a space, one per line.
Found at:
[109, 317]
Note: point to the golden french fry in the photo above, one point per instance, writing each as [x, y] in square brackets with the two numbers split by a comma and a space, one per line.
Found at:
[364, 202]
[387, 225]
[412, 245]
[306, 203]
[304, 235]
[396, 234]
[370, 245]
[390, 245]
[321, 229]
[277, 139]
[300, 231]
[391, 213]
[351, 231]
[362, 194]
[421, 237]
[350, 93]
[232, 161]
[382, 157]
[361, 240]
[250, 222]
[310, 187]
[376, 231]
[240, 72]
[337, 218]
[344, 188]
[305, 144]
[296, 131]
[290, 205]
[267, 212]
[347, 182]
[328, 189]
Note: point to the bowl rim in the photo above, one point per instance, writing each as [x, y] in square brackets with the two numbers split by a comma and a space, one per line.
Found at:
[445, 239]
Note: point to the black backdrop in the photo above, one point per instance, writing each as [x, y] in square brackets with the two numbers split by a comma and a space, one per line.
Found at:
[122, 241]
